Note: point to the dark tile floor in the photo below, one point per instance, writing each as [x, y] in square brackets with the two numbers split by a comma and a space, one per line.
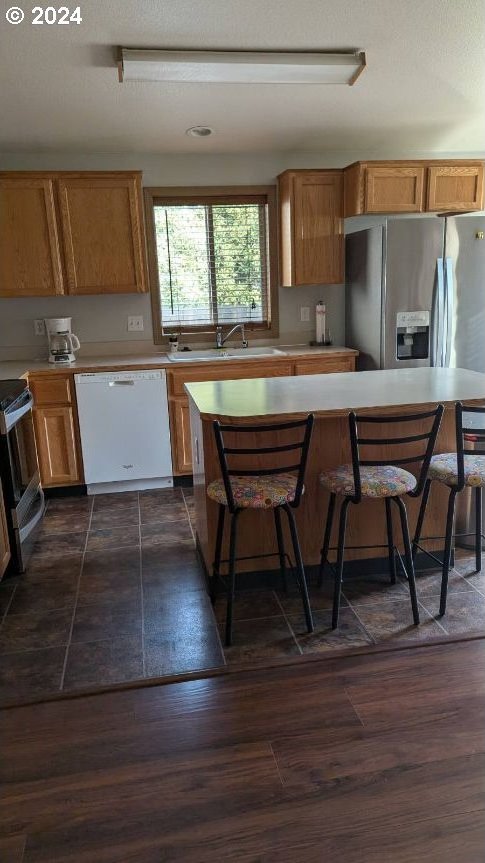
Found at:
[114, 594]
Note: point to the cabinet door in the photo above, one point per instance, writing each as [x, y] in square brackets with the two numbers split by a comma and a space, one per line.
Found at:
[318, 228]
[56, 446]
[455, 187]
[180, 432]
[102, 234]
[394, 189]
[4, 540]
[53, 389]
[231, 372]
[324, 367]
[30, 259]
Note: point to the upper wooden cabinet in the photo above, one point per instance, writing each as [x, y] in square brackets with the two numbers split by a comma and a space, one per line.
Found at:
[30, 257]
[311, 227]
[71, 233]
[455, 187]
[394, 189]
[413, 187]
[102, 236]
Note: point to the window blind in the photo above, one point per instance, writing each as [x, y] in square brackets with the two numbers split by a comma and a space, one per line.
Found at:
[212, 264]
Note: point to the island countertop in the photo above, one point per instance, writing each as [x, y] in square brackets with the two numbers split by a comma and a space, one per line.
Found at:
[336, 394]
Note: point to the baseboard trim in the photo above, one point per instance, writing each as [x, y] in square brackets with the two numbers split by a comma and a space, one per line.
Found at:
[66, 491]
[186, 481]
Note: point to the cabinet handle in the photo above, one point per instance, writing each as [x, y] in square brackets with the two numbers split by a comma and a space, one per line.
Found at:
[197, 450]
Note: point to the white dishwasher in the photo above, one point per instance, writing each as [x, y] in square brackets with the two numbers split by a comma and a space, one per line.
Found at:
[125, 431]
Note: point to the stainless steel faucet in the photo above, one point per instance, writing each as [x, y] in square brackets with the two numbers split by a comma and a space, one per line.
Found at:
[221, 340]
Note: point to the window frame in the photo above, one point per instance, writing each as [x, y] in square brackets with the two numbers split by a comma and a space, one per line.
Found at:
[154, 195]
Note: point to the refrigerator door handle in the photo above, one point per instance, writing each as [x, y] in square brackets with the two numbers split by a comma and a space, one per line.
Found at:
[438, 316]
[449, 311]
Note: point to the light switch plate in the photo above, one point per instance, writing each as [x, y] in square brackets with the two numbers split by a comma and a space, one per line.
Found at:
[39, 327]
[135, 323]
[304, 313]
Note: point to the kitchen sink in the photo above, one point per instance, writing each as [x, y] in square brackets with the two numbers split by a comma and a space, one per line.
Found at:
[223, 354]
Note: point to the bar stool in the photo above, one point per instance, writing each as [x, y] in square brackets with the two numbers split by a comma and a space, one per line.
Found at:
[270, 487]
[462, 469]
[377, 479]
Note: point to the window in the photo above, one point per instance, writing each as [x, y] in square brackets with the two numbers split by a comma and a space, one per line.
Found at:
[212, 259]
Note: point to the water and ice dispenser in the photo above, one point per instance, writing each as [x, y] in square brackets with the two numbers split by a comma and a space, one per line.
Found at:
[412, 336]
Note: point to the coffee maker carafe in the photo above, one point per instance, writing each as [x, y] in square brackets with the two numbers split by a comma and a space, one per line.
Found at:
[62, 342]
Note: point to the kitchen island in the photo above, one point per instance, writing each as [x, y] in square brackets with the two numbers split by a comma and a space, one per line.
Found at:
[330, 398]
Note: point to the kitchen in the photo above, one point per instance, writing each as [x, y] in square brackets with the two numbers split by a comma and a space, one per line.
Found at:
[333, 280]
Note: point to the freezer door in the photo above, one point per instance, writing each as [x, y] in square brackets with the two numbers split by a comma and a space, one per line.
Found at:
[363, 295]
[412, 250]
[465, 291]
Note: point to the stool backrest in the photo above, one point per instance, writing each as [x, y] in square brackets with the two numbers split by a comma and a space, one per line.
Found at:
[468, 433]
[423, 459]
[300, 446]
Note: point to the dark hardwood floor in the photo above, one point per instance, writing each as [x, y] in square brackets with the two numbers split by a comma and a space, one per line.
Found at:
[375, 758]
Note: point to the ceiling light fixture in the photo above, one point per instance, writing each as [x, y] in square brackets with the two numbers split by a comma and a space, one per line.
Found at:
[199, 131]
[240, 67]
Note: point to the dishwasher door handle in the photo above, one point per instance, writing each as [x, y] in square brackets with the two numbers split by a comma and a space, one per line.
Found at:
[121, 383]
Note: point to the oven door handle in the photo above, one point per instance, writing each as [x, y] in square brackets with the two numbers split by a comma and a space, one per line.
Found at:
[34, 521]
[9, 420]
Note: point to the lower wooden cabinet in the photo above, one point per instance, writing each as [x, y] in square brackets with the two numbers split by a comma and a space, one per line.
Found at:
[56, 429]
[180, 433]
[56, 423]
[4, 540]
[55, 435]
[326, 367]
[179, 403]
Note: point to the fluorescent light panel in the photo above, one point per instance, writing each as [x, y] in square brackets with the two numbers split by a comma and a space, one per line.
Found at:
[240, 67]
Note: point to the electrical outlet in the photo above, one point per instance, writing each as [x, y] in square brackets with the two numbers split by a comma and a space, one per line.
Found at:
[135, 323]
[304, 313]
[39, 327]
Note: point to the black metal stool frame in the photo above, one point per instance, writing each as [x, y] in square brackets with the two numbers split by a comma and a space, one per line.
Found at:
[355, 442]
[461, 433]
[235, 511]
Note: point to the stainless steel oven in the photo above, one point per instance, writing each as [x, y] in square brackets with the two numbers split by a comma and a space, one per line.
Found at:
[19, 471]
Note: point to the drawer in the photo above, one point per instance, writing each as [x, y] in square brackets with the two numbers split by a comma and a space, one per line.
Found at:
[177, 379]
[322, 367]
[55, 390]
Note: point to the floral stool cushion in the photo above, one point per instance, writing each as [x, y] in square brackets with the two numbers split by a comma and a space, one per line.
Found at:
[256, 492]
[376, 481]
[445, 469]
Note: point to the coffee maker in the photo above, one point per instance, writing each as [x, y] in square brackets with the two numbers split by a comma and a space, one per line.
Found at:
[62, 342]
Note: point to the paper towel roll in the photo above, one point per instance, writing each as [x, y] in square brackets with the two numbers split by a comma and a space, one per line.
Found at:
[321, 314]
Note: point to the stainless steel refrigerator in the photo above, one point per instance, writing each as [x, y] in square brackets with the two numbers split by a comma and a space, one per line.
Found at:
[415, 295]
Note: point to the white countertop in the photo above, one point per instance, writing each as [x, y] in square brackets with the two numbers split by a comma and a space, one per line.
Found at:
[13, 369]
[333, 394]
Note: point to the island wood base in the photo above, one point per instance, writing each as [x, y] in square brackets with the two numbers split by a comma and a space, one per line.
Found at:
[330, 446]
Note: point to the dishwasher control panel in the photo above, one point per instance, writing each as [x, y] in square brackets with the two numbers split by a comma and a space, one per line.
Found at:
[109, 377]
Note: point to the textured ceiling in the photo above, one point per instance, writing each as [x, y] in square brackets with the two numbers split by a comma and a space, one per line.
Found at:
[423, 90]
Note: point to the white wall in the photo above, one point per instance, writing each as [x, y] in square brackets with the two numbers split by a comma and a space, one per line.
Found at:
[100, 322]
